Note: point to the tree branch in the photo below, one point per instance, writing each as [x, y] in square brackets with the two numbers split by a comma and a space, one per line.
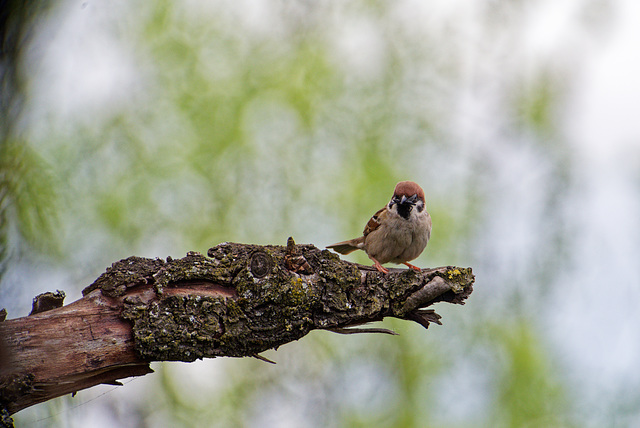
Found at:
[239, 301]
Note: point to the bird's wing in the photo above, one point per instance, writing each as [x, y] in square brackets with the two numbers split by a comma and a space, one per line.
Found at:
[375, 221]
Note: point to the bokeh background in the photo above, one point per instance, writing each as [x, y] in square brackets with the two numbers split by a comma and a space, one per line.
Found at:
[155, 128]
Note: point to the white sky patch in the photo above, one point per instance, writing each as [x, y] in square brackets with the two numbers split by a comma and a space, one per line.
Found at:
[552, 26]
[605, 119]
[80, 67]
[360, 48]
[595, 330]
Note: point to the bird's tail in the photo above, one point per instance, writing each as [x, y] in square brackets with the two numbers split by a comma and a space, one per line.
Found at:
[346, 247]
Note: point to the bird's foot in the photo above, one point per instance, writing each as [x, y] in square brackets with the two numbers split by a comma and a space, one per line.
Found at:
[412, 266]
[380, 268]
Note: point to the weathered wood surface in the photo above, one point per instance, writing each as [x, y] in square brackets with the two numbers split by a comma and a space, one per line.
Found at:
[239, 301]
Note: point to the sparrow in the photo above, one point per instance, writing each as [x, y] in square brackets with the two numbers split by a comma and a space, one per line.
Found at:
[397, 233]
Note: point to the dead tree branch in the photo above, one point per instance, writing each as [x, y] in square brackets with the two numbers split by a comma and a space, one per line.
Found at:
[239, 301]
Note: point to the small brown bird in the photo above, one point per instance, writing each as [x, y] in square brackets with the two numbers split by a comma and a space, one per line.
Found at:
[397, 233]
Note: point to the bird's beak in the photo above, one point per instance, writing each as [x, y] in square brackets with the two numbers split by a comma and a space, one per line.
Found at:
[408, 201]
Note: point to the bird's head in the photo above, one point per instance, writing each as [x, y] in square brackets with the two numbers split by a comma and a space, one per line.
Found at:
[407, 196]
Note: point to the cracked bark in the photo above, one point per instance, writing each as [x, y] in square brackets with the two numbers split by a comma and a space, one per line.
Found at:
[239, 301]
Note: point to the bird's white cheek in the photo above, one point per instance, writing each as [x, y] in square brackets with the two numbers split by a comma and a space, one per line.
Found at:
[415, 215]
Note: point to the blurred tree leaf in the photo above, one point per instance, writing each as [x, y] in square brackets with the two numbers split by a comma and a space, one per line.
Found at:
[28, 200]
[27, 189]
[528, 392]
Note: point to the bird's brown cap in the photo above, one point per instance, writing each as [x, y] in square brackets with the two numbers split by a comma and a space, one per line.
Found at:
[409, 188]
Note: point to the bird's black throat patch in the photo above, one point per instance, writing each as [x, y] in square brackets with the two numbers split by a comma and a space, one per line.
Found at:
[404, 210]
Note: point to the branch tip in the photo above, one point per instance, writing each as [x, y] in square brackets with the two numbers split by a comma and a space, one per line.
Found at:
[424, 317]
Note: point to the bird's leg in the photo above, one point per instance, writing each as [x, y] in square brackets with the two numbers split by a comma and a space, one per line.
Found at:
[412, 266]
[378, 266]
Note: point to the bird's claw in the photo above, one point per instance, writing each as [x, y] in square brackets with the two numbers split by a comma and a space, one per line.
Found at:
[380, 268]
[416, 268]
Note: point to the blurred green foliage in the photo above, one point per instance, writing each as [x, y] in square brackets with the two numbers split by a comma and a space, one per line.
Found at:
[27, 199]
[28, 190]
[528, 390]
[233, 131]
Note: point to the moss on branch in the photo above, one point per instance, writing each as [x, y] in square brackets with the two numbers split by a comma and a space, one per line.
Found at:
[244, 299]
[237, 301]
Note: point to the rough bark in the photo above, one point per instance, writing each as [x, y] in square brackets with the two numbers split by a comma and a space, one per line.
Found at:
[239, 301]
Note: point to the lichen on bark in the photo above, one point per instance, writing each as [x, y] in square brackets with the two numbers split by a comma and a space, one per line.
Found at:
[239, 300]
[244, 299]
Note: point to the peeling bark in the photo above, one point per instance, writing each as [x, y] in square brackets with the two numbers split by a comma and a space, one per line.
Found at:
[239, 301]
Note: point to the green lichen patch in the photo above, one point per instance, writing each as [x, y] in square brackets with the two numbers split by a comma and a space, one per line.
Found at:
[195, 267]
[459, 278]
[177, 328]
[14, 387]
[125, 274]
[279, 295]
[402, 284]
[267, 310]
[5, 418]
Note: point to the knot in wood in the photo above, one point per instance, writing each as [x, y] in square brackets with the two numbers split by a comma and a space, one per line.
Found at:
[260, 264]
